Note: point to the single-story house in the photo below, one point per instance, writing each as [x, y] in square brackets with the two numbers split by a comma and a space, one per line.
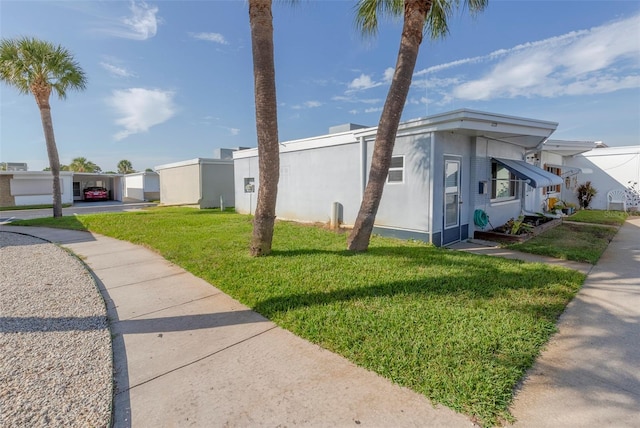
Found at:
[444, 169]
[33, 188]
[36, 187]
[204, 182]
[142, 186]
[553, 157]
[610, 169]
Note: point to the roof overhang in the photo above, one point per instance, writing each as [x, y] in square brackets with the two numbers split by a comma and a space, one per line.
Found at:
[531, 174]
[196, 161]
[570, 148]
[528, 133]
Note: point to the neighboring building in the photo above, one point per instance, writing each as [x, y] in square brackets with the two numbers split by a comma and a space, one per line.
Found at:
[33, 188]
[142, 186]
[553, 157]
[112, 182]
[611, 168]
[443, 169]
[13, 166]
[36, 187]
[203, 182]
[226, 154]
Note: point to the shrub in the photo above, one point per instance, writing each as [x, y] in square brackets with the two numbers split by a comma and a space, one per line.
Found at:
[586, 192]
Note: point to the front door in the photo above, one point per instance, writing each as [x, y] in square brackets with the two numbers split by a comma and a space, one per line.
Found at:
[451, 231]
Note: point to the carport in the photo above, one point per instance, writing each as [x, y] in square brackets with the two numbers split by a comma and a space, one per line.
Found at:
[112, 182]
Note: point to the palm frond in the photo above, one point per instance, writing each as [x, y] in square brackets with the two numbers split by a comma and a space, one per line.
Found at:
[27, 61]
[368, 11]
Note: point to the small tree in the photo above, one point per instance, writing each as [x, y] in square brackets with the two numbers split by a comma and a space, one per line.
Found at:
[586, 192]
[125, 167]
[81, 164]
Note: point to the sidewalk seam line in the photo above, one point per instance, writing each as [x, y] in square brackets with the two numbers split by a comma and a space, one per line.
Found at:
[145, 280]
[197, 361]
[169, 307]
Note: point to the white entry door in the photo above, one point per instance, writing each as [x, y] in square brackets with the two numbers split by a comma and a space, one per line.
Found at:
[451, 231]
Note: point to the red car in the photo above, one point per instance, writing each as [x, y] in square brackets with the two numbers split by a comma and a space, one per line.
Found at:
[95, 194]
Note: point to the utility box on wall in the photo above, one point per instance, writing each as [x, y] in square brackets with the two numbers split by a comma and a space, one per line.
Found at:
[483, 187]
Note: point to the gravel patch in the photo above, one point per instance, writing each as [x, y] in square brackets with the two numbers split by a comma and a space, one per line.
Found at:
[55, 363]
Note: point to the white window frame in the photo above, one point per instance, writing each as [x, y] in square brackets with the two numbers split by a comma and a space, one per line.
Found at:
[395, 169]
[513, 184]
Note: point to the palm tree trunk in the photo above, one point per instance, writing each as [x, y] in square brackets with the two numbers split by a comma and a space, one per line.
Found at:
[52, 150]
[261, 21]
[415, 12]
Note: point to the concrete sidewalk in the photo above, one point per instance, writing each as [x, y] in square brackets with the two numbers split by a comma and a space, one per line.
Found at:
[589, 374]
[186, 354]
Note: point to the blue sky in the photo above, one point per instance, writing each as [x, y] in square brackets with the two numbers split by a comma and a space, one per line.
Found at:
[173, 80]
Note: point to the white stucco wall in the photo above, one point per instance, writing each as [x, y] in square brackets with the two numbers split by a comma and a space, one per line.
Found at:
[608, 169]
[180, 185]
[142, 186]
[200, 181]
[36, 187]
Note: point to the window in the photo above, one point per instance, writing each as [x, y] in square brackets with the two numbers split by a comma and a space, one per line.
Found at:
[503, 183]
[396, 170]
[557, 171]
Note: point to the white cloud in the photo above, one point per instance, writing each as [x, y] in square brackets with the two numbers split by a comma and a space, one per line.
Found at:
[600, 60]
[116, 71]
[140, 109]
[388, 74]
[351, 99]
[307, 104]
[233, 131]
[362, 82]
[210, 37]
[140, 24]
[373, 110]
[143, 21]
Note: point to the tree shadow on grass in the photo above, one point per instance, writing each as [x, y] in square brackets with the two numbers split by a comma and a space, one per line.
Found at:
[429, 272]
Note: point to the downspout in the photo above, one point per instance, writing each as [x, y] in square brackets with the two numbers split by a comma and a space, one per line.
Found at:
[200, 182]
[432, 164]
[363, 167]
[523, 185]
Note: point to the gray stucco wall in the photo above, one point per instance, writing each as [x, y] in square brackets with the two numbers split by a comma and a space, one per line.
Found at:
[217, 181]
[312, 180]
[406, 205]
[498, 212]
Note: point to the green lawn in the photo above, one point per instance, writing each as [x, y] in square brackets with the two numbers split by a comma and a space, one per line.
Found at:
[577, 242]
[461, 329]
[30, 207]
[613, 218]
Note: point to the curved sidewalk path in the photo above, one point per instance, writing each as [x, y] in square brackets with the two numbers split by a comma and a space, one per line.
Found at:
[187, 354]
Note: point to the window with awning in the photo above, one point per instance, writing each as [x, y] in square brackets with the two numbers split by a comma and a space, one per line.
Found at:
[531, 174]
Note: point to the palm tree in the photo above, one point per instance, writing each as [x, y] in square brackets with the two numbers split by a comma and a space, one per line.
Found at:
[39, 67]
[81, 164]
[419, 16]
[125, 167]
[261, 21]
